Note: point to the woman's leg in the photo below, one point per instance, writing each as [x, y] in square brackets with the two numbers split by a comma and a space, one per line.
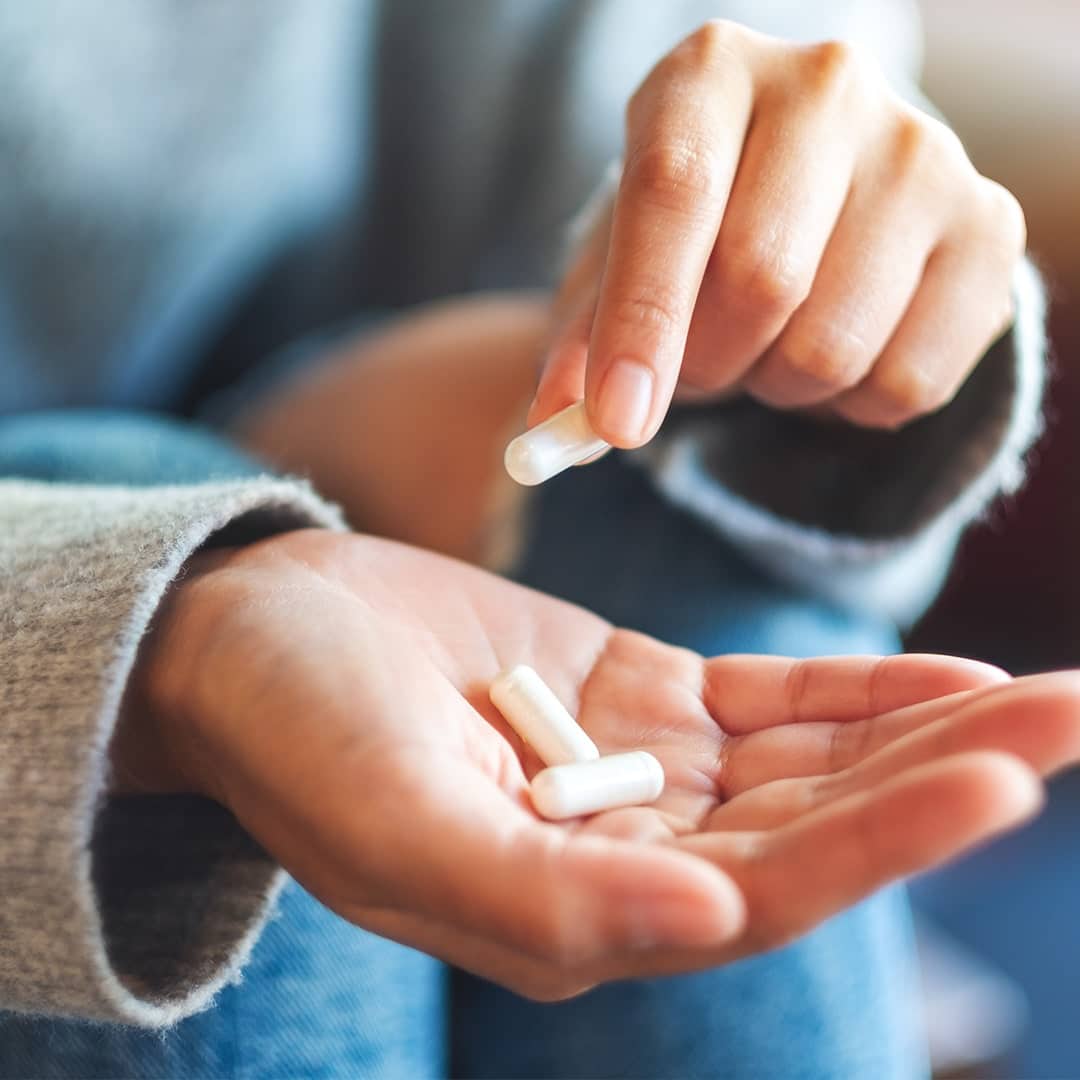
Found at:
[319, 998]
[839, 1002]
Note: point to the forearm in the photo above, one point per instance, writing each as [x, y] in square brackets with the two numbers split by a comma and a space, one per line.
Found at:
[438, 393]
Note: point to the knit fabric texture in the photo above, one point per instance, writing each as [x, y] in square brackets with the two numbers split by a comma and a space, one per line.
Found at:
[104, 912]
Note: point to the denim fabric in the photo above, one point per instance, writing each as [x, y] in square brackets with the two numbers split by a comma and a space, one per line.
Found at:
[98, 446]
[320, 998]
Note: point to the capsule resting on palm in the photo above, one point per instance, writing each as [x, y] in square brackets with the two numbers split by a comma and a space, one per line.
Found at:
[531, 708]
[587, 787]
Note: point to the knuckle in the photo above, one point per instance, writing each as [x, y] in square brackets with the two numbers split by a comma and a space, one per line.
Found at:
[768, 284]
[949, 147]
[676, 174]
[907, 392]
[922, 145]
[832, 357]
[910, 144]
[944, 145]
[847, 746]
[832, 67]
[656, 311]
[701, 378]
[714, 42]
[1005, 216]
[716, 45]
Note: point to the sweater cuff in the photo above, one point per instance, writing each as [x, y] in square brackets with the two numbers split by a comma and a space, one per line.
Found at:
[134, 909]
[867, 518]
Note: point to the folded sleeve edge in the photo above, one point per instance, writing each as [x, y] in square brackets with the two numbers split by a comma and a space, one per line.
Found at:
[294, 505]
[897, 574]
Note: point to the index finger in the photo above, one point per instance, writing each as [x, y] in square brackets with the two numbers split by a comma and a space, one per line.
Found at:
[685, 130]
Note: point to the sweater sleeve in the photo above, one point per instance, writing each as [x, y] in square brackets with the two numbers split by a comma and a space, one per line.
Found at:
[128, 909]
[869, 519]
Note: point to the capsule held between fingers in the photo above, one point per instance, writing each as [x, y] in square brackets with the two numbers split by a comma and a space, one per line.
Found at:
[561, 441]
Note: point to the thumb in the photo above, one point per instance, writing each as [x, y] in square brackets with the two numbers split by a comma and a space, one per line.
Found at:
[562, 374]
[559, 896]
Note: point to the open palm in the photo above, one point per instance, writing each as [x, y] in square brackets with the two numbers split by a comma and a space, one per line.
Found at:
[337, 703]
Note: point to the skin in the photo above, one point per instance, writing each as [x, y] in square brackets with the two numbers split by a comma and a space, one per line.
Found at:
[785, 227]
[331, 691]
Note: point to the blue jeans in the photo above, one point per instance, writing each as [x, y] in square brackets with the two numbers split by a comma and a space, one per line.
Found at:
[321, 998]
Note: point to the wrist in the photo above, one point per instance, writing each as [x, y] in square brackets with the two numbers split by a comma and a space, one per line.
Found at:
[158, 745]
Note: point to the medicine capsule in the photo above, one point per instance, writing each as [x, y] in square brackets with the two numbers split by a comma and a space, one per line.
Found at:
[587, 787]
[544, 451]
[538, 716]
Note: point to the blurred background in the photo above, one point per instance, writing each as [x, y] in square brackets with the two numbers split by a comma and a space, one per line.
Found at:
[1007, 76]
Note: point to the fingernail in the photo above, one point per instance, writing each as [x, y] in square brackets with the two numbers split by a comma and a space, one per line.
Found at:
[625, 401]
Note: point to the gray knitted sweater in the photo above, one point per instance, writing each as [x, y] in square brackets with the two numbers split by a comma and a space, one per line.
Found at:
[186, 190]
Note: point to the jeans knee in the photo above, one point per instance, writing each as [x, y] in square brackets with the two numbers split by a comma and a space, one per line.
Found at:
[603, 537]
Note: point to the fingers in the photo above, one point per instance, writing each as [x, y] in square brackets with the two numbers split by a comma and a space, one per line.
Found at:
[586, 896]
[551, 970]
[562, 376]
[685, 129]
[789, 227]
[1035, 719]
[869, 273]
[837, 855]
[963, 303]
[792, 878]
[562, 380]
[792, 182]
[465, 853]
[750, 693]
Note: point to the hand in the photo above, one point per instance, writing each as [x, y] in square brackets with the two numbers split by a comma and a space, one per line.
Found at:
[331, 691]
[788, 227]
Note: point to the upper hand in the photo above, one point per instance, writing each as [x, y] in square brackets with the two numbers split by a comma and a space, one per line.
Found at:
[331, 690]
[788, 227]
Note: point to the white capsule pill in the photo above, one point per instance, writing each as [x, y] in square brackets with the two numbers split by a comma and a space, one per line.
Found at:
[588, 787]
[544, 451]
[538, 716]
